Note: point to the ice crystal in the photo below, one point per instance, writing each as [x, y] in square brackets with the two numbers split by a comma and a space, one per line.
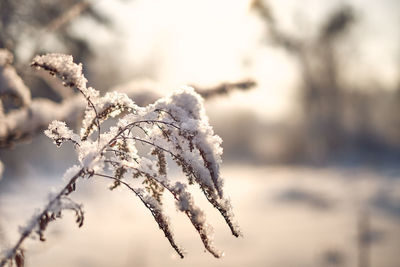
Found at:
[64, 67]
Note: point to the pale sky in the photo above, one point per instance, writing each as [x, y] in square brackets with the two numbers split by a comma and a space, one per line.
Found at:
[207, 42]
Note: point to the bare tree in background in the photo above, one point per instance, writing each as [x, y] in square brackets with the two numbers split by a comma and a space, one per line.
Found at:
[336, 117]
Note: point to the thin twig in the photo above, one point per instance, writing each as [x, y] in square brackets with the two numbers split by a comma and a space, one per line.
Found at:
[67, 16]
[139, 195]
[95, 111]
[224, 88]
[11, 254]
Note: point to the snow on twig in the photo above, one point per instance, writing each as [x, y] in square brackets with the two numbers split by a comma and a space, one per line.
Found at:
[175, 126]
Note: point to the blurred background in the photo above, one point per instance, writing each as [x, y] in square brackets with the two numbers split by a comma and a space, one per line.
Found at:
[311, 152]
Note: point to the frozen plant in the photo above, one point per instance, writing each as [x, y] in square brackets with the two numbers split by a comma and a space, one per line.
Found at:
[175, 127]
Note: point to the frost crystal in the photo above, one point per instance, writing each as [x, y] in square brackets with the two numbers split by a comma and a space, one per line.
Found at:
[70, 172]
[59, 132]
[62, 66]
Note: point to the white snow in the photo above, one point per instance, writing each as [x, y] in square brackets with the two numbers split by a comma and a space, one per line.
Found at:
[64, 67]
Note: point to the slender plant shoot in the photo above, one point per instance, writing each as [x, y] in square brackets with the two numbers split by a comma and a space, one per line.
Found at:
[174, 127]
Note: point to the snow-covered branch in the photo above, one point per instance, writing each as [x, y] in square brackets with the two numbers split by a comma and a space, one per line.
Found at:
[24, 123]
[11, 85]
[175, 126]
[37, 225]
[224, 88]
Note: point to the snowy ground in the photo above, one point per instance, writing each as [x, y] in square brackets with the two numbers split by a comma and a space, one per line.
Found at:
[290, 216]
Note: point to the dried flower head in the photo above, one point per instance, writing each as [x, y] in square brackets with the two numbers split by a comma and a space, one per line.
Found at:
[175, 126]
